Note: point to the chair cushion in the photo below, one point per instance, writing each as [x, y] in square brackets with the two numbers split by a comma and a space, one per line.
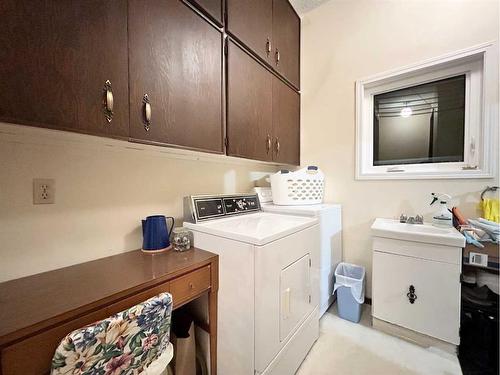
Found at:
[125, 343]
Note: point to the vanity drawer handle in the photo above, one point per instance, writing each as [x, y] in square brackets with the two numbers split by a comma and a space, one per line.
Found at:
[412, 297]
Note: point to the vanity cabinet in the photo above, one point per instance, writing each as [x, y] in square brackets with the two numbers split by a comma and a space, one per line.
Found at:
[416, 291]
[263, 113]
[64, 65]
[175, 64]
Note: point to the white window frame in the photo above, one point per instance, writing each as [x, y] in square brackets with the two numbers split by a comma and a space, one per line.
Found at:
[480, 66]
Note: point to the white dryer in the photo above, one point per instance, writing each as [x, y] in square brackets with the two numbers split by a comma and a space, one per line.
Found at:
[268, 315]
[330, 234]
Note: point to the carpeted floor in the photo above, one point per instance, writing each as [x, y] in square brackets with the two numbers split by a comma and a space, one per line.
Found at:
[346, 348]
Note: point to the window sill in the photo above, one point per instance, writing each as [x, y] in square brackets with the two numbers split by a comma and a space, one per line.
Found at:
[424, 175]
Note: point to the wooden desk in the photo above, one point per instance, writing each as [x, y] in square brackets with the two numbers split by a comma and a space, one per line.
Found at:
[37, 311]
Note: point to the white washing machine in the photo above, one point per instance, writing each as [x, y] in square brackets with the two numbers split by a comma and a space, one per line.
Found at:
[330, 234]
[268, 315]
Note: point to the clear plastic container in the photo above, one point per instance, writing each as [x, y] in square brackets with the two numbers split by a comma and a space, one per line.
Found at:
[181, 239]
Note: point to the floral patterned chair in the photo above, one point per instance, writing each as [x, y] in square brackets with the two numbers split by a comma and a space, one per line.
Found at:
[134, 341]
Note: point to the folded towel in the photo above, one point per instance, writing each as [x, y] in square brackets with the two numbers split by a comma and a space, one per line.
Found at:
[490, 223]
[471, 240]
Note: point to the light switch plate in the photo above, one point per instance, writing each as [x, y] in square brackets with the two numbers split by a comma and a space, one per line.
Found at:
[44, 191]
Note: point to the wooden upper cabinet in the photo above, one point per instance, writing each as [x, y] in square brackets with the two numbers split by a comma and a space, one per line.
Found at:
[213, 8]
[286, 123]
[251, 22]
[286, 38]
[55, 57]
[249, 106]
[175, 59]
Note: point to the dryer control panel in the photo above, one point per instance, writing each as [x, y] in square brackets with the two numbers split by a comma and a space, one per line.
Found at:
[206, 207]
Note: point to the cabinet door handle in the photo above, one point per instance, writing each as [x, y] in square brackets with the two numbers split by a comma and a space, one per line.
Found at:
[412, 296]
[268, 143]
[268, 46]
[147, 112]
[278, 56]
[108, 101]
[277, 144]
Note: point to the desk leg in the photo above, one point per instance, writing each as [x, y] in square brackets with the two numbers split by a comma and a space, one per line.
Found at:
[212, 317]
[212, 314]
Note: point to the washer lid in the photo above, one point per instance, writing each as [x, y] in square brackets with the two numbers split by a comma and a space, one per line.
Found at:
[257, 229]
[301, 210]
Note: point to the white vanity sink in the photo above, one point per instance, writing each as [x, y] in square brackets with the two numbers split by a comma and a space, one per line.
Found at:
[427, 233]
[416, 282]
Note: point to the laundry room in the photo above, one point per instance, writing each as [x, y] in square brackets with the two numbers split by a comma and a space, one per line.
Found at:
[239, 187]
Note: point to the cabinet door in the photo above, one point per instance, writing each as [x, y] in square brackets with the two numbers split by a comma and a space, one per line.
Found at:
[249, 106]
[175, 59]
[211, 7]
[251, 21]
[436, 286]
[286, 123]
[286, 38]
[55, 59]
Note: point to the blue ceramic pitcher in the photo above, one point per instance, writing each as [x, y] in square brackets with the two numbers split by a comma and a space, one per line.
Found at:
[155, 233]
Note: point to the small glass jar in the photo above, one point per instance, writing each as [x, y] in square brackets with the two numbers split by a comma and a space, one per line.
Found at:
[181, 239]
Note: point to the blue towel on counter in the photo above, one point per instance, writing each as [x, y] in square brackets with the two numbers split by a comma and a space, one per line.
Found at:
[491, 228]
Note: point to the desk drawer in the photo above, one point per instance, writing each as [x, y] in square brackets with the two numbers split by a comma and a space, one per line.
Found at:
[188, 286]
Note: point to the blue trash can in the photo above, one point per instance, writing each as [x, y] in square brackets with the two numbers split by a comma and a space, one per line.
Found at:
[350, 289]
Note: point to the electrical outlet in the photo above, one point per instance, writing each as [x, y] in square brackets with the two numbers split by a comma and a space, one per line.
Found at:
[44, 191]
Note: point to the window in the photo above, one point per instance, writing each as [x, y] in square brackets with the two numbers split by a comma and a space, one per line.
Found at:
[420, 124]
[433, 120]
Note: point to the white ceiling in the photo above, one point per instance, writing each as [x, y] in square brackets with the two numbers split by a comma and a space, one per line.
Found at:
[304, 6]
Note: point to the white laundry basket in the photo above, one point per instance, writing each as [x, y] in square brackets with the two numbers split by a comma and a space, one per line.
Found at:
[305, 186]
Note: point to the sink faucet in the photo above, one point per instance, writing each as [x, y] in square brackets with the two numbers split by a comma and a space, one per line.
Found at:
[419, 219]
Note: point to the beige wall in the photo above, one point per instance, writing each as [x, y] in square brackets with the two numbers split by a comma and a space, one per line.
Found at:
[346, 40]
[103, 189]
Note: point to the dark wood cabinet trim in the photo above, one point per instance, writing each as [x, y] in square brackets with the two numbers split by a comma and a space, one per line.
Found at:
[205, 14]
[225, 41]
